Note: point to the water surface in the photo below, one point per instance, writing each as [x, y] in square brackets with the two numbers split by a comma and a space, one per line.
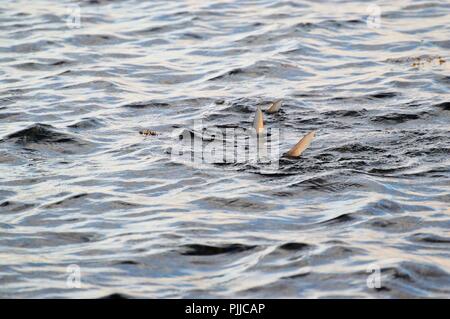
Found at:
[80, 185]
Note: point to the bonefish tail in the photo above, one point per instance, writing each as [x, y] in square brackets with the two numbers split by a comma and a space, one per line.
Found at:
[258, 122]
[301, 145]
[274, 107]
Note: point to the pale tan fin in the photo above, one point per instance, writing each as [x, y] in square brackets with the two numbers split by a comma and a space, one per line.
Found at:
[258, 122]
[274, 107]
[302, 145]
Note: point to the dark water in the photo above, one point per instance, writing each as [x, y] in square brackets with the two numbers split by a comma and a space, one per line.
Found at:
[80, 185]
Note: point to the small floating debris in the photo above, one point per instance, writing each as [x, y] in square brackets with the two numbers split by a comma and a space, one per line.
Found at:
[148, 132]
[419, 61]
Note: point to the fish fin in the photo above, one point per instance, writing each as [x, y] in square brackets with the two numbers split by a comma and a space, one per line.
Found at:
[258, 122]
[302, 145]
[274, 107]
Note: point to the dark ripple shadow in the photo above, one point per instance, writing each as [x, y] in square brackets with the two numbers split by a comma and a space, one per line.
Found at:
[430, 239]
[402, 224]
[11, 207]
[233, 204]
[46, 137]
[66, 202]
[205, 250]
[412, 279]
[339, 220]
[444, 105]
[398, 117]
[149, 104]
[94, 39]
[49, 239]
[42, 66]
[333, 183]
[294, 246]
[86, 124]
[261, 68]
[116, 296]
[346, 113]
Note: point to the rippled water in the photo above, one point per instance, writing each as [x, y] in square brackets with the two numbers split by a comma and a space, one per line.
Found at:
[80, 185]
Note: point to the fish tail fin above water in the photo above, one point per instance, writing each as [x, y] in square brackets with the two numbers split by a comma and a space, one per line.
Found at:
[301, 145]
[258, 122]
[274, 107]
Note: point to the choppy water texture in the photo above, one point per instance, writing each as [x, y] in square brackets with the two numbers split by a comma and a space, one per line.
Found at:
[80, 185]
